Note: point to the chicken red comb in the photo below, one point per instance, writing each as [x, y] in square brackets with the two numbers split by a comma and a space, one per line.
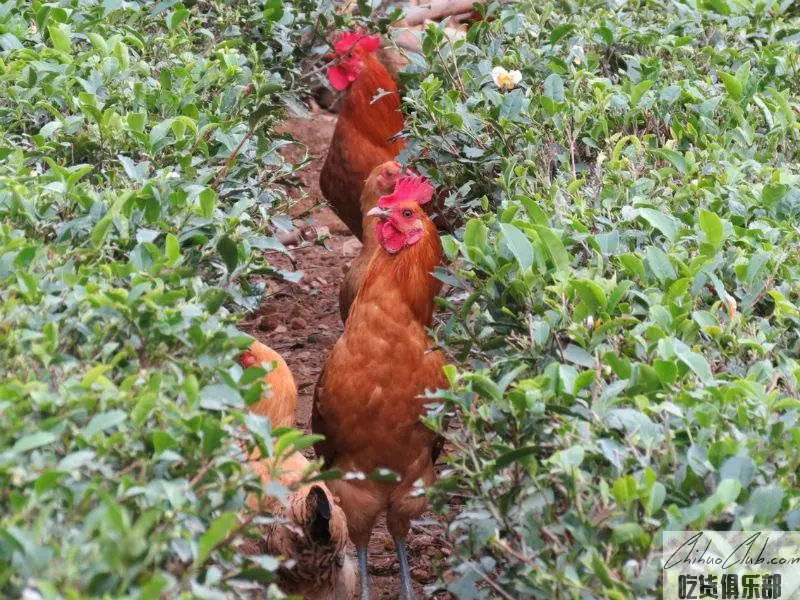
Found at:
[408, 187]
[348, 40]
[248, 359]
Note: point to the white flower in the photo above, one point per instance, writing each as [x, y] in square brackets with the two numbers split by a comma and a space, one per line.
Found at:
[577, 54]
[506, 80]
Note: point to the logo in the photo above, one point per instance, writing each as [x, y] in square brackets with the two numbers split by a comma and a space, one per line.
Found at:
[731, 565]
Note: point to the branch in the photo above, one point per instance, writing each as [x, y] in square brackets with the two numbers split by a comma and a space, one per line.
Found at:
[229, 163]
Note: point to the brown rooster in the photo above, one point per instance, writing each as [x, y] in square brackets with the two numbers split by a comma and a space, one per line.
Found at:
[380, 183]
[363, 137]
[313, 529]
[368, 400]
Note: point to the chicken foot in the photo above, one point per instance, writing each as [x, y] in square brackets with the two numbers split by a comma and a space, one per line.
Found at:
[363, 571]
[406, 591]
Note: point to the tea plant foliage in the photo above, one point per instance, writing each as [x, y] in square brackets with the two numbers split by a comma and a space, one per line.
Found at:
[626, 294]
[624, 304]
[139, 172]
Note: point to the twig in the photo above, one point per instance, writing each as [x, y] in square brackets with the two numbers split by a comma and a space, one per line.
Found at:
[223, 172]
[571, 150]
[488, 580]
[200, 474]
[236, 530]
[456, 84]
[506, 547]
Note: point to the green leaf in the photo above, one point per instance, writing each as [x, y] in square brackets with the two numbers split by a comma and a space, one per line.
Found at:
[162, 440]
[765, 502]
[220, 396]
[711, 225]
[555, 249]
[486, 387]
[740, 468]
[143, 409]
[664, 223]
[229, 251]
[515, 455]
[475, 234]
[176, 18]
[579, 356]
[560, 31]
[675, 158]
[513, 104]
[122, 55]
[639, 89]
[99, 231]
[655, 499]
[732, 85]
[633, 264]
[554, 87]
[60, 38]
[98, 42]
[719, 6]
[773, 193]
[273, 9]
[592, 294]
[618, 294]
[568, 459]
[659, 264]
[628, 532]
[76, 460]
[624, 490]
[519, 244]
[666, 370]
[286, 440]
[136, 121]
[103, 421]
[172, 248]
[8, 42]
[727, 492]
[585, 379]
[553, 99]
[696, 362]
[208, 202]
[159, 131]
[220, 529]
[35, 440]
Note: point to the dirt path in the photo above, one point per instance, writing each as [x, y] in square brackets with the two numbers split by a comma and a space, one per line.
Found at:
[301, 321]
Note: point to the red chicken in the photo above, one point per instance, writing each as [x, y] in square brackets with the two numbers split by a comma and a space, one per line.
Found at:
[313, 533]
[363, 137]
[380, 182]
[369, 398]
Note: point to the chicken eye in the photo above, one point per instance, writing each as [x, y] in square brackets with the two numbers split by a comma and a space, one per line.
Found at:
[407, 213]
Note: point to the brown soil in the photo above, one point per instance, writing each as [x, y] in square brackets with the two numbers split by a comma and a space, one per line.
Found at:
[301, 321]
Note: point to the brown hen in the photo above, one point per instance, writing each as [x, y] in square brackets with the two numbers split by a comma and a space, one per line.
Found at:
[363, 137]
[369, 398]
[313, 529]
[380, 182]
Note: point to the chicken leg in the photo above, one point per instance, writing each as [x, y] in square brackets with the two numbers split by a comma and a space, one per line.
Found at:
[406, 591]
[363, 571]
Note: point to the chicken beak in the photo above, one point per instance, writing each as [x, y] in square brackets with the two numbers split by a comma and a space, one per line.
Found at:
[381, 213]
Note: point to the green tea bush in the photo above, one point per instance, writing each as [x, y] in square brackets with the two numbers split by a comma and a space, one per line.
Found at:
[139, 170]
[626, 299]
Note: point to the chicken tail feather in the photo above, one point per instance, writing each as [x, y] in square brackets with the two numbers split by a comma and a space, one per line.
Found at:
[319, 507]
